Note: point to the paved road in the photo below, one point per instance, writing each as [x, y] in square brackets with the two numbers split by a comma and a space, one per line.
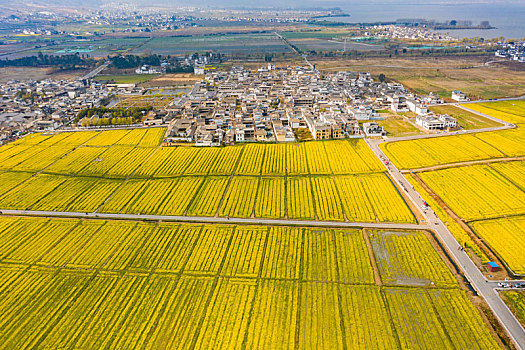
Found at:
[95, 71]
[219, 220]
[505, 125]
[482, 286]
[482, 101]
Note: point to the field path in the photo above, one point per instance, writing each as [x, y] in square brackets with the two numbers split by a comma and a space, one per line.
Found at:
[216, 220]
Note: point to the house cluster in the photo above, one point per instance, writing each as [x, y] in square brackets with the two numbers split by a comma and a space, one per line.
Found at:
[512, 50]
[392, 31]
[44, 105]
[278, 104]
[270, 104]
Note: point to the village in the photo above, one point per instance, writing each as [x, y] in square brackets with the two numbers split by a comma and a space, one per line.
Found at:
[282, 104]
[269, 104]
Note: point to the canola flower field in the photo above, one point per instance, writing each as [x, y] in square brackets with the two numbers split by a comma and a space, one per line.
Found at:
[123, 284]
[421, 153]
[516, 302]
[489, 197]
[126, 171]
[506, 237]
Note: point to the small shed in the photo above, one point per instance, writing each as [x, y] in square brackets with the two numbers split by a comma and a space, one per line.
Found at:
[492, 266]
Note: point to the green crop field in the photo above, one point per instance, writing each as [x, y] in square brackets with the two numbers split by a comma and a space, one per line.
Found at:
[224, 43]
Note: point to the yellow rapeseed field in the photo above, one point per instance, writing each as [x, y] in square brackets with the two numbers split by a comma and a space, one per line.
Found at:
[476, 192]
[509, 111]
[70, 283]
[422, 153]
[507, 238]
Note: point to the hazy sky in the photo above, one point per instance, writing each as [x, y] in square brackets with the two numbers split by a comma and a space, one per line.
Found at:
[258, 3]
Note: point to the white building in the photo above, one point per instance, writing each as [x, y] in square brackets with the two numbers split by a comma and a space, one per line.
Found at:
[435, 122]
[459, 96]
[373, 129]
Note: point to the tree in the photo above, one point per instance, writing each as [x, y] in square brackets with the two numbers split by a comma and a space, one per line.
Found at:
[382, 78]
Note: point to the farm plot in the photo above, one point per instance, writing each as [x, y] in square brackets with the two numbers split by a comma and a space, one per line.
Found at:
[224, 43]
[299, 198]
[9, 180]
[133, 138]
[251, 159]
[229, 307]
[516, 302]
[30, 191]
[365, 319]
[29, 139]
[127, 165]
[152, 137]
[327, 202]
[207, 255]
[65, 193]
[74, 161]
[351, 157]
[270, 202]
[102, 324]
[283, 253]
[161, 197]
[244, 258]
[317, 158]
[476, 192]
[14, 231]
[371, 198]
[408, 258]
[185, 307]
[261, 284]
[320, 321]
[74, 240]
[179, 248]
[8, 153]
[102, 245]
[34, 240]
[511, 142]
[225, 161]
[155, 247]
[74, 139]
[274, 162]
[167, 162]
[157, 102]
[422, 153]
[93, 197]
[513, 171]
[204, 160]
[239, 198]
[325, 252]
[296, 162]
[274, 316]
[11, 158]
[509, 111]
[107, 138]
[31, 306]
[101, 164]
[461, 320]
[208, 198]
[415, 320]
[507, 237]
[42, 158]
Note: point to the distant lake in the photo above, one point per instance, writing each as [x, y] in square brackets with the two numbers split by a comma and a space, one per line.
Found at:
[508, 18]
